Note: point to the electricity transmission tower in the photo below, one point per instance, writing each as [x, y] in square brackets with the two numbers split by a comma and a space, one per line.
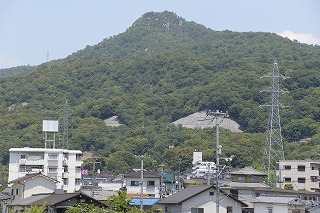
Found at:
[65, 136]
[273, 151]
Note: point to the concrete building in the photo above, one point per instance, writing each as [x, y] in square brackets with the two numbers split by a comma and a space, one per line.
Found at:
[301, 174]
[59, 164]
[201, 169]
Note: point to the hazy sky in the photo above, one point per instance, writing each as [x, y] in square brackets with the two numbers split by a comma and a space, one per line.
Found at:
[29, 29]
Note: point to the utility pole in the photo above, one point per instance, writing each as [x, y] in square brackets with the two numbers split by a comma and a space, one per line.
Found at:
[161, 181]
[94, 175]
[141, 184]
[273, 151]
[216, 115]
[179, 173]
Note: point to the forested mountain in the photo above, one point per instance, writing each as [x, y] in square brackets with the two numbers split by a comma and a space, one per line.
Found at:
[160, 69]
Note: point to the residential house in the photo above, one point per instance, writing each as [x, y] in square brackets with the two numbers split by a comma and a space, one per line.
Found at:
[60, 164]
[200, 199]
[55, 203]
[169, 184]
[315, 209]
[31, 184]
[248, 175]
[278, 204]
[5, 198]
[150, 184]
[301, 174]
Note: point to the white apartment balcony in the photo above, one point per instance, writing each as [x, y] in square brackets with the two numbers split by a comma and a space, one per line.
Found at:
[78, 163]
[31, 161]
[314, 173]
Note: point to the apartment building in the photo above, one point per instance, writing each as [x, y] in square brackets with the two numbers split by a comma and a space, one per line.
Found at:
[302, 174]
[60, 164]
[201, 169]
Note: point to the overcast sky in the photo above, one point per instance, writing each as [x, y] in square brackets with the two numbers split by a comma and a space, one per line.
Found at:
[30, 29]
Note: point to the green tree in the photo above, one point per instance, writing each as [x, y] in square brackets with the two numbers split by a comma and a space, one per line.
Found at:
[119, 202]
[288, 186]
[85, 208]
[36, 209]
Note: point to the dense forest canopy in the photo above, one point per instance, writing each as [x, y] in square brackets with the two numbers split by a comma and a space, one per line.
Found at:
[160, 69]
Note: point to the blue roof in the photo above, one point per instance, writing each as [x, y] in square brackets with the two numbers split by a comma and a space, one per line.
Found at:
[146, 201]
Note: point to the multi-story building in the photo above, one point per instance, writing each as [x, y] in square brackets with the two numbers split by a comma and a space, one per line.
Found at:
[60, 164]
[301, 174]
[202, 169]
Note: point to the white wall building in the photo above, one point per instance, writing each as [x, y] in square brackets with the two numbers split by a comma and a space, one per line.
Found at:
[200, 199]
[150, 184]
[302, 174]
[201, 169]
[60, 164]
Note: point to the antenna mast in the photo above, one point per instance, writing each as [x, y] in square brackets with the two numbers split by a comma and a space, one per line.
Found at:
[273, 151]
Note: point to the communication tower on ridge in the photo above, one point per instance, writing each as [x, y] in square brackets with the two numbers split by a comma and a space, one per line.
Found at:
[273, 151]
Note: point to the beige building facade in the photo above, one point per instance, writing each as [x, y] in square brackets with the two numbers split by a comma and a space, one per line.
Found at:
[301, 174]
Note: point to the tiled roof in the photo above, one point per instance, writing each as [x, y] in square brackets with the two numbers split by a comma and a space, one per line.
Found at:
[185, 194]
[30, 176]
[279, 200]
[247, 185]
[190, 192]
[4, 196]
[53, 199]
[50, 199]
[146, 174]
[28, 200]
[247, 171]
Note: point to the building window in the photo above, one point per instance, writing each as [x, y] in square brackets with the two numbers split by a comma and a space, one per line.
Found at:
[287, 180]
[301, 180]
[65, 181]
[269, 210]
[211, 193]
[78, 157]
[78, 182]
[301, 168]
[229, 209]
[241, 178]
[150, 183]
[52, 169]
[52, 157]
[197, 210]
[287, 167]
[23, 156]
[134, 183]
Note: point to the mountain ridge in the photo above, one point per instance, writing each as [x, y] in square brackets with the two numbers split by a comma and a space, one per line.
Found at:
[152, 75]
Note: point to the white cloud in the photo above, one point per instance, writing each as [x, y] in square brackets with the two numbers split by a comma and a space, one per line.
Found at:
[302, 38]
[7, 61]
